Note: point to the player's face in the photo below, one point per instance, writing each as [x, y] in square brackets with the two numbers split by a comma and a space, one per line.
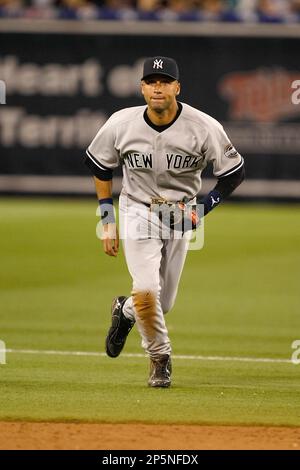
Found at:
[160, 92]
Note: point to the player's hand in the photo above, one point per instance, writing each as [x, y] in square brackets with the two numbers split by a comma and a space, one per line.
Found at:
[110, 239]
[190, 217]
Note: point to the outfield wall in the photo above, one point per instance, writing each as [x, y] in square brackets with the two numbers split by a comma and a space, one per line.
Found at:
[63, 79]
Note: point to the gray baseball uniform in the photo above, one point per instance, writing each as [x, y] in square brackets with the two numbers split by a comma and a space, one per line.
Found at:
[158, 163]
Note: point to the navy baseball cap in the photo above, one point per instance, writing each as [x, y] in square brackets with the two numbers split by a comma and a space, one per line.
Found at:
[159, 65]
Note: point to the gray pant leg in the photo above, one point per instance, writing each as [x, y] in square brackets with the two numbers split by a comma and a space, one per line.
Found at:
[173, 259]
[155, 266]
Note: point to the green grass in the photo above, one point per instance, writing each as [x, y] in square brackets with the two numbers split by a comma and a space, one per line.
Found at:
[239, 296]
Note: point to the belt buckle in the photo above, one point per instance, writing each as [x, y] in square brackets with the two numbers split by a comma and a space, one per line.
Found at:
[158, 200]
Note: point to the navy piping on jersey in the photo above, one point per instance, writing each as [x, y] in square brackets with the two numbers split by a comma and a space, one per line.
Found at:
[233, 170]
[98, 169]
[165, 126]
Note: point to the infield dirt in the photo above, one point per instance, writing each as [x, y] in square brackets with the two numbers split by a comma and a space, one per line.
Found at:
[56, 436]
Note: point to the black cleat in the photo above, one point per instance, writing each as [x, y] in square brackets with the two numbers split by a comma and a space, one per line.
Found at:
[119, 330]
[160, 371]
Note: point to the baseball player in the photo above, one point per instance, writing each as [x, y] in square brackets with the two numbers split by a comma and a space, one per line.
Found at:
[163, 147]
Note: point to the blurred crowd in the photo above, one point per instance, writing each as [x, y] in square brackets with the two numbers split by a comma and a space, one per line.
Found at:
[265, 11]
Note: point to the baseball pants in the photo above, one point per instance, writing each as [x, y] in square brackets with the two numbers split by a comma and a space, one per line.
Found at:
[155, 263]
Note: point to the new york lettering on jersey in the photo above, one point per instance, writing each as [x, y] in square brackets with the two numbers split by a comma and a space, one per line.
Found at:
[135, 160]
[138, 160]
[183, 161]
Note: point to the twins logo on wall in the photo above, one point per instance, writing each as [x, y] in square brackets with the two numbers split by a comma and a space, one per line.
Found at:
[265, 100]
[262, 95]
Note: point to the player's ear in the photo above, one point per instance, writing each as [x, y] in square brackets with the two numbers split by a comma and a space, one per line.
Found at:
[178, 89]
[142, 87]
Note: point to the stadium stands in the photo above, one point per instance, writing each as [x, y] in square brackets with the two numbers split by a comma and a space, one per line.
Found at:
[260, 11]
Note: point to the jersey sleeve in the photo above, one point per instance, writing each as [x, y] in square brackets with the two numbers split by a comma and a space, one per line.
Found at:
[102, 156]
[219, 150]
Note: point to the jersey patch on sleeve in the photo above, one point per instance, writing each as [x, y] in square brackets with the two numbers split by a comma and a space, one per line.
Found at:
[230, 151]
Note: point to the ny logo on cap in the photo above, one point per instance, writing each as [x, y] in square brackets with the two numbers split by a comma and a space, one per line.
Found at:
[158, 64]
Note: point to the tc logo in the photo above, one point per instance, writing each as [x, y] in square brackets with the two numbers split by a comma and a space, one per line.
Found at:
[158, 64]
[296, 354]
[2, 92]
[2, 352]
